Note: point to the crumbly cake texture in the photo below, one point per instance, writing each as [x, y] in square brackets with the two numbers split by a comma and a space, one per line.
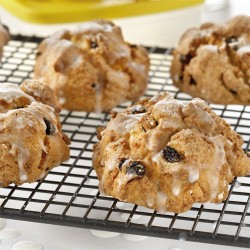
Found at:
[166, 155]
[4, 37]
[212, 62]
[92, 68]
[31, 140]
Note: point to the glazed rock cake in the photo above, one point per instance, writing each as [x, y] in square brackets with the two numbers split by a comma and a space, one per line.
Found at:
[212, 62]
[31, 140]
[92, 68]
[166, 155]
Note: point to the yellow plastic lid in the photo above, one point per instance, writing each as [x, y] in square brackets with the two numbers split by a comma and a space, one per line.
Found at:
[63, 11]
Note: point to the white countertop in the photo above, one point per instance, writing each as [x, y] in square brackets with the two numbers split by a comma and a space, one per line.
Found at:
[161, 29]
[53, 237]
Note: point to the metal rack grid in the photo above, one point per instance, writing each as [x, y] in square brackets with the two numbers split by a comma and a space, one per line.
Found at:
[69, 194]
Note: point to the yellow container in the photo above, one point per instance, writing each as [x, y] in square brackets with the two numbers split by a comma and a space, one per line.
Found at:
[64, 11]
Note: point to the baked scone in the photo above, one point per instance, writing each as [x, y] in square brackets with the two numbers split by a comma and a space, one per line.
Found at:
[92, 68]
[31, 140]
[166, 155]
[212, 62]
[4, 37]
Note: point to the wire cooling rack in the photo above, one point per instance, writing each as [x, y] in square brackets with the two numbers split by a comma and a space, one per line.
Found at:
[69, 194]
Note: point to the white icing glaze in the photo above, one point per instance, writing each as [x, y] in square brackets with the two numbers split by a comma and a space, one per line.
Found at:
[129, 177]
[34, 91]
[205, 32]
[111, 162]
[152, 123]
[126, 126]
[101, 188]
[240, 42]
[58, 34]
[176, 186]
[176, 78]
[98, 98]
[122, 124]
[211, 48]
[193, 174]
[220, 196]
[123, 52]
[120, 182]
[62, 99]
[218, 161]
[173, 123]
[130, 123]
[55, 47]
[172, 108]
[138, 67]
[94, 26]
[17, 123]
[120, 50]
[73, 56]
[197, 101]
[42, 175]
[154, 98]
[26, 245]
[156, 157]
[22, 155]
[58, 37]
[206, 122]
[137, 108]
[11, 91]
[167, 101]
[161, 199]
[153, 143]
[122, 179]
[136, 116]
[244, 49]
[78, 59]
[150, 201]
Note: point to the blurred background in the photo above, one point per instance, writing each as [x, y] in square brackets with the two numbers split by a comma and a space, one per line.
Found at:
[146, 22]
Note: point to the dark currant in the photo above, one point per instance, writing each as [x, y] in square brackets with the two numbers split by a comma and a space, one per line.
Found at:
[171, 155]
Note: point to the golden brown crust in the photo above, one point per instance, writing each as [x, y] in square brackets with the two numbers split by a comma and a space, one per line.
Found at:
[31, 140]
[42, 93]
[167, 155]
[212, 62]
[92, 68]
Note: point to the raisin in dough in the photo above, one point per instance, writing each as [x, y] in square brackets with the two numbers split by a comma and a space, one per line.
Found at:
[31, 140]
[212, 62]
[4, 37]
[92, 68]
[166, 155]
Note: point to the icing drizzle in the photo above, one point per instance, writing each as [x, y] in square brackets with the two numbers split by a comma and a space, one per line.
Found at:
[125, 125]
[14, 122]
[10, 91]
